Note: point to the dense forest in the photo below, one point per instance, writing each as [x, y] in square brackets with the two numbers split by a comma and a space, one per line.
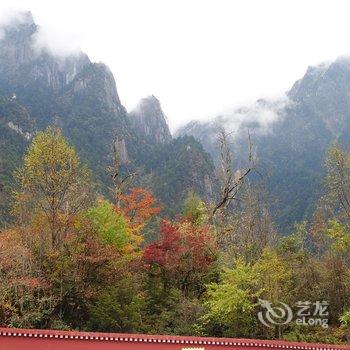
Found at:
[72, 259]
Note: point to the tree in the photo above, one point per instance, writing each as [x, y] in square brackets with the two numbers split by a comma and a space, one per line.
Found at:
[183, 255]
[345, 321]
[231, 181]
[138, 206]
[24, 301]
[247, 228]
[194, 209]
[119, 307]
[53, 181]
[338, 179]
[231, 184]
[113, 228]
[230, 303]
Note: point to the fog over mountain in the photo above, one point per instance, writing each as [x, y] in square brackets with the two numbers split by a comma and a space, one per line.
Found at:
[208, 63]
[290, 136]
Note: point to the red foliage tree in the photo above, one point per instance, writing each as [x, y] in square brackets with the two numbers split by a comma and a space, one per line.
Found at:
[183, 254]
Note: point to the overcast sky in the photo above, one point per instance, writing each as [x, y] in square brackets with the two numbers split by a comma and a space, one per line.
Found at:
[198, 57]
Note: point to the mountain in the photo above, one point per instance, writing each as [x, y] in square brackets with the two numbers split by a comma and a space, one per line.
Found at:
[149, 121]
[38, 89]
[290, 137]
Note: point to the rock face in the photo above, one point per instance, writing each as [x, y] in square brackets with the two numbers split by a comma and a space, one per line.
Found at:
[149, 121]
[97, 76]
[325, 90]
[17, 41]
[56, 73]
[22, 64]
[291, 149]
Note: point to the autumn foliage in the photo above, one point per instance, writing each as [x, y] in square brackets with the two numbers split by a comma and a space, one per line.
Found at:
[138, 206]
[181, 248]
[183, 253]
[75, 260]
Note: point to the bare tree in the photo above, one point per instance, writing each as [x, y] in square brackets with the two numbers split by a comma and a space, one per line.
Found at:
[120, 181]
[231, 180]
[248, 229]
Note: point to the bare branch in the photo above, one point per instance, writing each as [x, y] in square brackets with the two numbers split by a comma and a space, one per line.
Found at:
[231, 181]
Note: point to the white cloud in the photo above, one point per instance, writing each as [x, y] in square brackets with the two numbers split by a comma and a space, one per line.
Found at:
[10, 16]
[259, 115]
[55, 44]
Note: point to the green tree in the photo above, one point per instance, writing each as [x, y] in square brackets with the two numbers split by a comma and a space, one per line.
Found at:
[194, 209]
[110, 225]
[230, 303]
[119, 308]
[338, 179]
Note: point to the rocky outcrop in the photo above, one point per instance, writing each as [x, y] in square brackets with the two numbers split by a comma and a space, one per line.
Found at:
[23, 64]
[16, 44]
[149, 121]
[325, 90]
[97, 79]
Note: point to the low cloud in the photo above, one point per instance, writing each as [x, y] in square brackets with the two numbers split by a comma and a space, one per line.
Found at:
[258, 116]
[57, 44]
[14, 18]
[46, 38]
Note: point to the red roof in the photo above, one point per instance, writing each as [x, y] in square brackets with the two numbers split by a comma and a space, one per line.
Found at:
[33, 339]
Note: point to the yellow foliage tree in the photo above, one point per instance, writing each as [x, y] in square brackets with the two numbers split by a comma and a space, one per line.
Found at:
[52, 183]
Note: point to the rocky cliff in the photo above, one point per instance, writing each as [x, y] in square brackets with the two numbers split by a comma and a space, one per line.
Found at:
[149, 121]
[23, 64]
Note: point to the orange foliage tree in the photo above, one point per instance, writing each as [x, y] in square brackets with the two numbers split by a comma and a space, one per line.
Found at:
[138, 206]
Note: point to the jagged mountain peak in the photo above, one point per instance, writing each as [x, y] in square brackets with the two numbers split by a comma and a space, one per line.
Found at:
[327, 75]
[325, 90]
[149, 120]
[97, 79]
[150, 105]
[20, 22]
[24, 61]
[149, 101]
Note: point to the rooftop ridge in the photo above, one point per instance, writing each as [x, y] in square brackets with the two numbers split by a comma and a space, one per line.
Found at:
[165, 339]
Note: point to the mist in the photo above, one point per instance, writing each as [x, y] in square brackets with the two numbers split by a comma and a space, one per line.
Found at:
[258, 116]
